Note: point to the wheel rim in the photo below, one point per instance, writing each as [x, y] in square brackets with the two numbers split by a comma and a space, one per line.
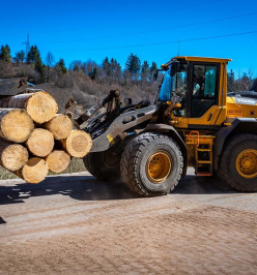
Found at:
[158, 166]
[246, 163]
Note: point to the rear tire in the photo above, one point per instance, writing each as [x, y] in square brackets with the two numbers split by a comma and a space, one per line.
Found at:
[104, 165]
[238, 163]
[138, 164]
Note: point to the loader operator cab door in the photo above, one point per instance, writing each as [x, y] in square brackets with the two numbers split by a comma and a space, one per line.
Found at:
[196, 84]
[204, 88]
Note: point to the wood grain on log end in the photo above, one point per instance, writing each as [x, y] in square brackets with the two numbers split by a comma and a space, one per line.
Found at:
[34, 171]
[40, 142]
[60, 126]
[78, 143]
[41, 106]
[58, 161]
[12, 156]
[15, 125]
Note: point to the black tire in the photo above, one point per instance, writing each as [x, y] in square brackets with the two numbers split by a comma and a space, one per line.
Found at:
[104, 165]
[227, 165]
[134, 161]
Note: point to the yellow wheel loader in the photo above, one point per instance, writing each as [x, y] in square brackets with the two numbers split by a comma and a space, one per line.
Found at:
[194, 122]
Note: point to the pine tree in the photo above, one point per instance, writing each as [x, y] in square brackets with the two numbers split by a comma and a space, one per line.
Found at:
[93, 74]
[33, 55]
[40, 67]
[61, 65]
[145, 71]
[145, 67]
[20, 56]
[153, 71]
[133, 64]
[5, 53]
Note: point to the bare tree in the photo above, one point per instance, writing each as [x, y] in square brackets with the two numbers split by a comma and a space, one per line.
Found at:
[50, 62]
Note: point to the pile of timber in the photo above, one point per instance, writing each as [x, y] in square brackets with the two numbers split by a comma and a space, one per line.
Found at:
[35, 139]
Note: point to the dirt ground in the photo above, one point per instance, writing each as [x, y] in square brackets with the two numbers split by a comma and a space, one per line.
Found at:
[76, 224]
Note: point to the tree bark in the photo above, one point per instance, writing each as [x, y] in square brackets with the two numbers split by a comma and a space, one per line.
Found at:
[40, 105]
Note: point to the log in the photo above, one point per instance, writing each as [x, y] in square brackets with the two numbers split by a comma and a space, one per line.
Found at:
[12, 156]
[78, 143]
[40, 142]
[58, 161]
[40, 105]
[15, 125]
[60, 126]
[34, 171]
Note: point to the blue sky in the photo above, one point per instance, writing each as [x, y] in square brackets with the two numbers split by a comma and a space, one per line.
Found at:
[82, 30]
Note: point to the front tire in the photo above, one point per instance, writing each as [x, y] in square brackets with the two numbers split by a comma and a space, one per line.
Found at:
[104, 165]
[151, 164]
[238, 163]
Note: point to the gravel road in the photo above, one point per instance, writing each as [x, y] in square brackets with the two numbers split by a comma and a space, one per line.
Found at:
[76, 224]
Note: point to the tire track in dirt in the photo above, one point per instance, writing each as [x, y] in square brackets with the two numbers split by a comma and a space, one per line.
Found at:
[171, 242]
[177, 234]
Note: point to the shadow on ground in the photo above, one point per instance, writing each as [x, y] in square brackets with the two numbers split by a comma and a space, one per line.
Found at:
[88, 188]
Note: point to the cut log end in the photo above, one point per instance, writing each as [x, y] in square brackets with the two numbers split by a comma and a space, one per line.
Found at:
[34, 171]
[60, 126]
[58, 161]
[15, 125]
[13, 156]
[41, 107]
[78, 143]
[40, 142]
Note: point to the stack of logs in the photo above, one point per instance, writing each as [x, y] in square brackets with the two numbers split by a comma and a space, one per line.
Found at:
[35, 139]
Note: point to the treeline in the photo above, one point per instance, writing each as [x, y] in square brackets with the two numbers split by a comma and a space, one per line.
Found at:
[89, 76]
[49, 70]
[244, 81]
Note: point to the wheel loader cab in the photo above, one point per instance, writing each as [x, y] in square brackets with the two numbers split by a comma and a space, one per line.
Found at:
[199, 85]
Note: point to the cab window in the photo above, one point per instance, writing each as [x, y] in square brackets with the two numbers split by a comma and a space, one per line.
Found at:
[205, 88]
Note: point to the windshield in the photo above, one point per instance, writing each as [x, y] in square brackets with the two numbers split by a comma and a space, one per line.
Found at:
[174, 86]
[165, 90]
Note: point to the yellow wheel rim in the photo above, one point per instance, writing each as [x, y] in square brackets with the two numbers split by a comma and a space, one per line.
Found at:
[246, 163]
[158, 166]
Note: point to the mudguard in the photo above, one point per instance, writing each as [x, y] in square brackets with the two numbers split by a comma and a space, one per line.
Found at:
[238, 125]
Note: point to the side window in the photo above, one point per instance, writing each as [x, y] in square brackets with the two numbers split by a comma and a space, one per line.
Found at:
[180, 88]
[205, 87]
[210, 81]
